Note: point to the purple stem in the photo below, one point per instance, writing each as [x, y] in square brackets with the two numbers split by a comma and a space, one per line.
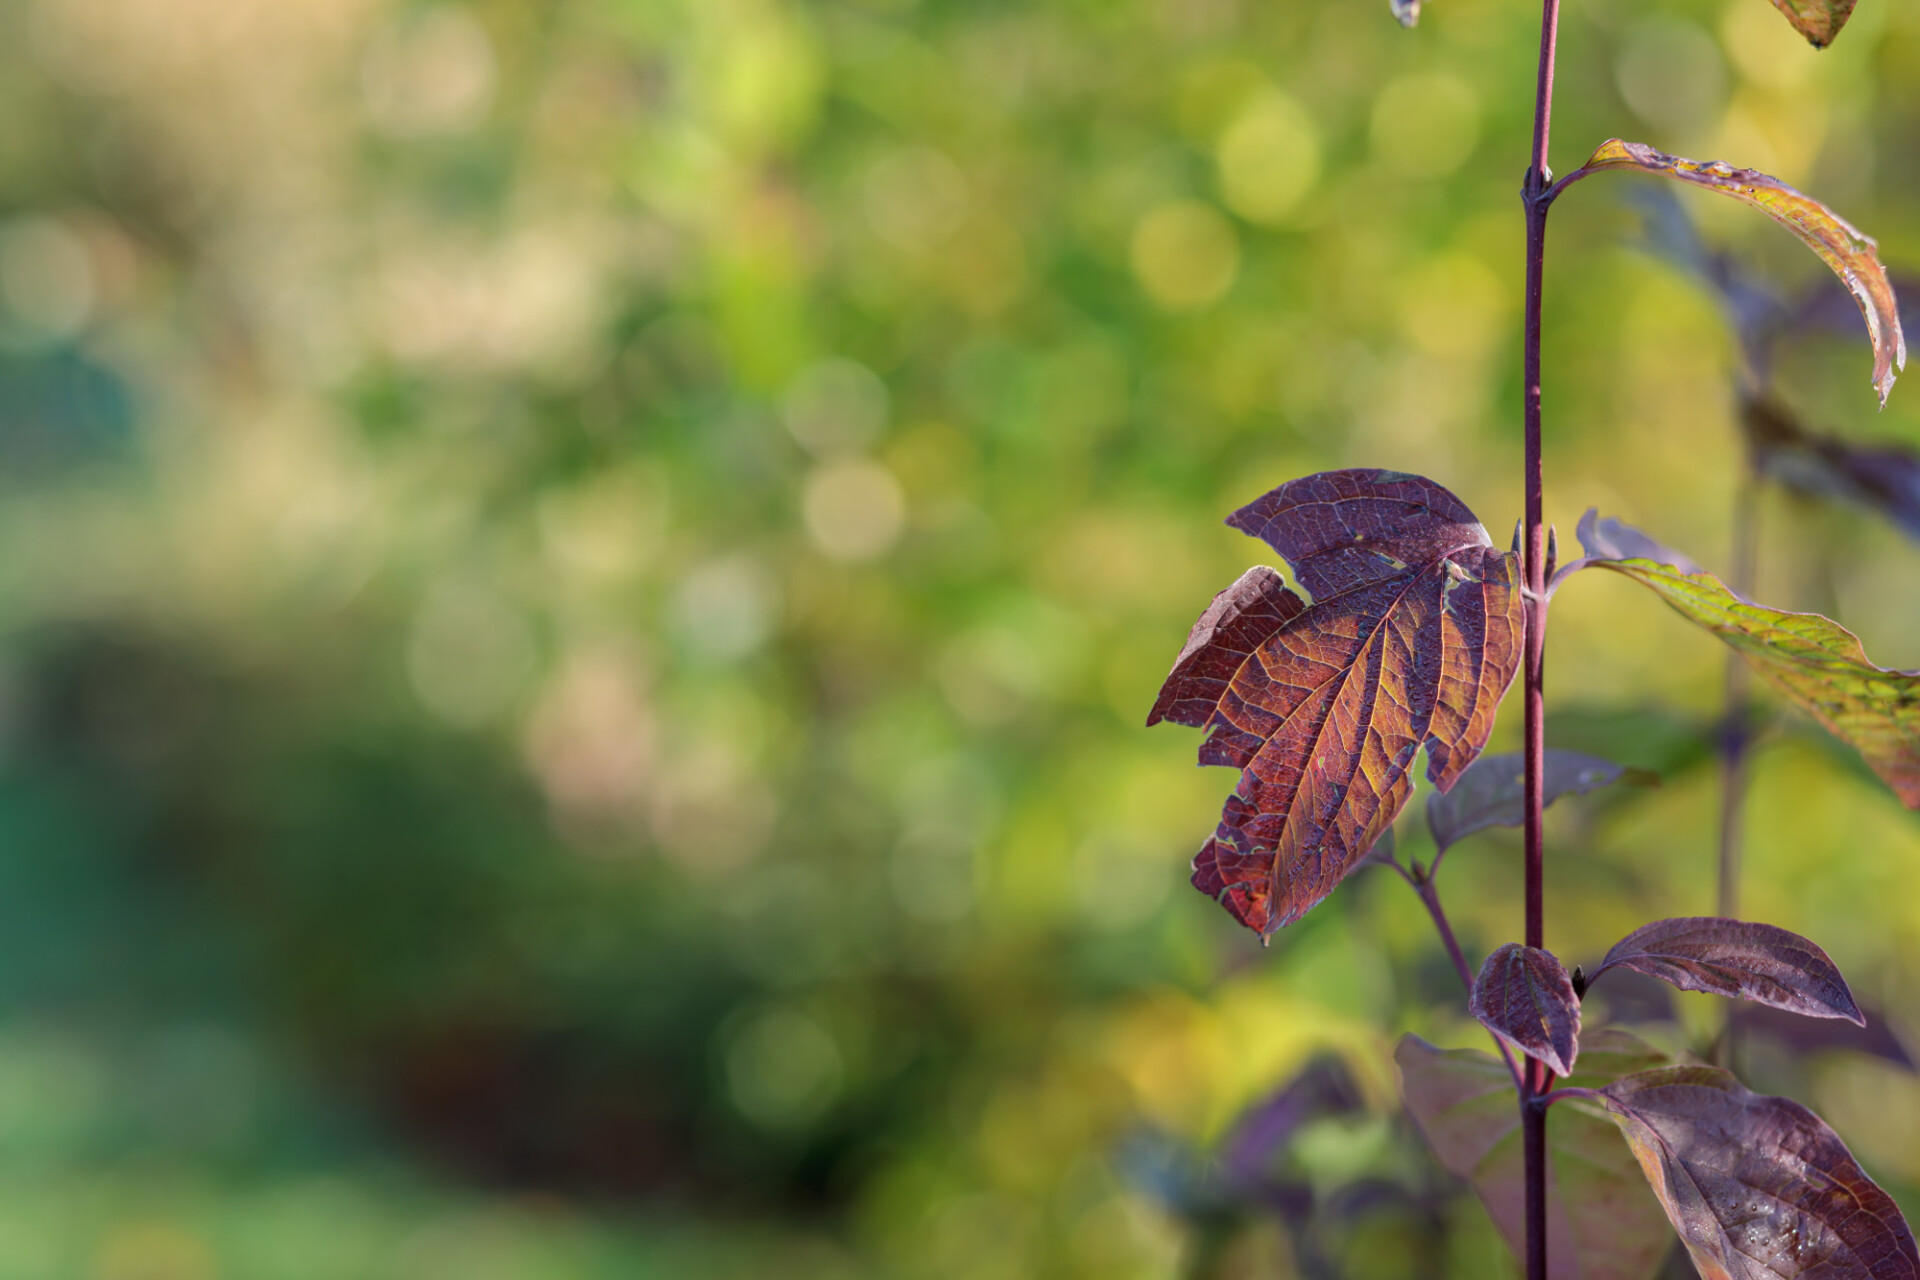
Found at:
[1422, 882]
[1423, 885]
[1534, 195]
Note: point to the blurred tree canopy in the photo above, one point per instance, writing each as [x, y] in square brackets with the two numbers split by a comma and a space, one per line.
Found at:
[580, 583]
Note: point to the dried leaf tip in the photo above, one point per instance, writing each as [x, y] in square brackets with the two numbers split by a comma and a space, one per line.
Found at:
[1818, 20]
[1849, 252]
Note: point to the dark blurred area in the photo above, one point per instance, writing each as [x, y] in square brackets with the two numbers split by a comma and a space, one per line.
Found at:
[579, 585]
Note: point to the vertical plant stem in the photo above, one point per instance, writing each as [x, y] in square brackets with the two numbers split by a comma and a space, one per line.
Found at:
[1533, 1115]
[1736, 734]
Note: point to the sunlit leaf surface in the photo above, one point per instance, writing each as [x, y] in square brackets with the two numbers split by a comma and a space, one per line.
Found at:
[1524, 996]
[1410, 639]
[1737, 958]
[1813, 660]
[1492, 792]
[1601, 1222]
[1853, 255]
[1759, 1188]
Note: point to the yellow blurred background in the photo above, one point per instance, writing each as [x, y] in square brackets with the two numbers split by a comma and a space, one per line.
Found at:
[581, 581]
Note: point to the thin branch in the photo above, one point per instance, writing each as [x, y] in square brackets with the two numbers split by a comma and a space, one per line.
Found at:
[1429, 895]
[1422, 882]
[1534, 195]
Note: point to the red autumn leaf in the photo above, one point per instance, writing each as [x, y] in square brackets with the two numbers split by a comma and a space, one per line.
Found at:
[1759, 1188]
[1757, 962]
[1524, 996]
[1411, 636]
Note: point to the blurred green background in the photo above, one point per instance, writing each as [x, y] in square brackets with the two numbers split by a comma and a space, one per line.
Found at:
[580, 583]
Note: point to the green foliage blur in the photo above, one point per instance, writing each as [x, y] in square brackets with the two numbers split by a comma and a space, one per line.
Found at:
[580, 583]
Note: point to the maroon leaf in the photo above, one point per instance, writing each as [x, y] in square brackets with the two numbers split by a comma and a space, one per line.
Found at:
[1411, 637]
[1734, 958]
[1601, 1222]
[1524, 996]
[1492, 792]
[1759, 1188]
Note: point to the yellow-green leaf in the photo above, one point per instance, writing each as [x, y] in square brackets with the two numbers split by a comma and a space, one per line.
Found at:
[1813, 660]
[1852, 254]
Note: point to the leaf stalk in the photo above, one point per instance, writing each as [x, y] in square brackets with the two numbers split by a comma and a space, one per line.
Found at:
[1421, 878]
[1423, 885]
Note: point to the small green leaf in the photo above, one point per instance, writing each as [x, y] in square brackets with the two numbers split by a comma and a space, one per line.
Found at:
[1739, 959]
[1813, 660]
[1853, 255]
